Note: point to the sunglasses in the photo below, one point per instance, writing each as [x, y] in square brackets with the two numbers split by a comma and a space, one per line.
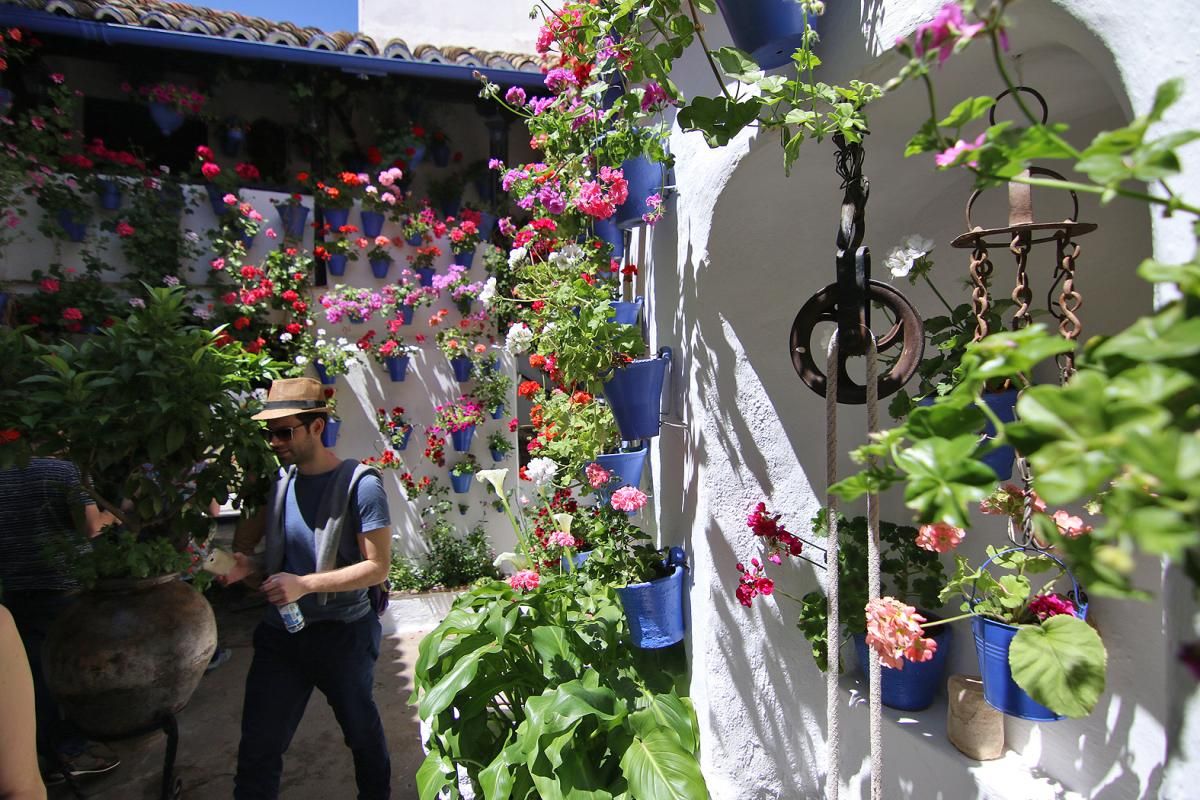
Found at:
[282, 434]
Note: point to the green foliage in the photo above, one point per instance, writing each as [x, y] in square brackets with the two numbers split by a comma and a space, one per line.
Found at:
[908, 573]
[1061, 664]
[622, 553]
[582, 430]
[452, 560]
[537, 695]
[119, 554]
[158, 247]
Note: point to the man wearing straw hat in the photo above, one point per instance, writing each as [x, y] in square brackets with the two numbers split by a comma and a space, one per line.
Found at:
[328, 539]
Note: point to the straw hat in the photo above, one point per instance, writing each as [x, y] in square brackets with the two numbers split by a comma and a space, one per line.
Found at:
[291, 396]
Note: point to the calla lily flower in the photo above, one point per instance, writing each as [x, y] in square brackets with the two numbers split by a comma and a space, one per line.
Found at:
[493, 476]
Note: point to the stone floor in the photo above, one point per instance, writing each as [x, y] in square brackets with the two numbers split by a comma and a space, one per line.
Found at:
[317, 765]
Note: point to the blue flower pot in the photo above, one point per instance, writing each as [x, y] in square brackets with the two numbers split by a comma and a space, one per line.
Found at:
[577, 559]
[425, 274]
[336, 265]
[992, 640]
[498, 411]
[769, 30]
[372, 224]
[322, 375]
[654, 611]
[645, 178]
[634, 392]
[216, 199]
[403, 445]
[485, 189]
[76, 229]
[417, 157]
[440, 153]
[3, 305]
[232, 140]
[414, 240]
[293, 219]
[626, 313]
[462, 368]
[406, 314]
[464, 259]
[110, 194]
[915, 687]
[380, 267]
[449, 208]
[626, 469]
[335, 217]
[330, 434]
[461, 483]
[607, 230]
[461, 439]
[167, 119]
[498, 455]
[248, 241]
[487, 224]
[397, 367]
[1004, 406]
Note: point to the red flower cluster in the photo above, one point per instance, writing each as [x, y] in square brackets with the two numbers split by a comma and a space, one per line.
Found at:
[529, 389]
[779, 539]
[9, 435]
[752, 583]
[435, 447]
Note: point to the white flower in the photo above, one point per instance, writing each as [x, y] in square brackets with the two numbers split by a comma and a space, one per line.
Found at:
[901, 259]
[541, 470]
[520, 337]
[201, 312]
[301, 360]
[493, 476]
[564, 522]
[137, 302]
[516, 256]
[170, 280]
[488, 293]
[285, 337]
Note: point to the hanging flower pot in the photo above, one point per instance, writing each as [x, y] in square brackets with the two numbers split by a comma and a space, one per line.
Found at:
[232, 139]
[75, 227]
[462, 368]
[406, 314]
[769, 30]
[498, 411]
[607, 230]
[915, 687]
[397, 367]
[625, 468]
[168, 118]
[372, 224]
[293, 218]
[336, 265]
[380, 267]
[645, 178]
[330, 434]
[403, 445]
[414, 240]
[654, 610]
[323, 375]
[335, 217]
[625, 312]
[634, 392]
[110, 193]
[464, 259]
[498, 455]
[449, 208]
[248, 241]
[487, 224]
[425, 274]
[462, 437]
[461, 483]
[216, 199]
[416, 156]
[440, 153]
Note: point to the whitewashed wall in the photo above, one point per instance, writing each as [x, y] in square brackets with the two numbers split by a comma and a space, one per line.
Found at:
[741, 252]
[501, 25]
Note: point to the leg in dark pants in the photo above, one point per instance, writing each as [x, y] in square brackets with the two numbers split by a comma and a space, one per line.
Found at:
[278, 686]
[347, 678]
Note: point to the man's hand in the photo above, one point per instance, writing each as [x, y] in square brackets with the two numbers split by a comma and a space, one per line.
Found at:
[284, 587]
[243, 568]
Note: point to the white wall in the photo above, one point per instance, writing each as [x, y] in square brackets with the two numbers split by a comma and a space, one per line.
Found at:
[743, 249]
[497, 25]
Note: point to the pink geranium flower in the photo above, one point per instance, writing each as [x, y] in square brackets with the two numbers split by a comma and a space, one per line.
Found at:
[939, 537]
[1069, 525]
[1050, 605]
[597, 475]
[752, 583]
[524, 581]
[943, 31]
[628, 498]
[562, 539]
[894, 632]
[952, 153]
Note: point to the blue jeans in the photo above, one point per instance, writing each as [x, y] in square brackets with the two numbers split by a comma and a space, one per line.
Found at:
[339, 659]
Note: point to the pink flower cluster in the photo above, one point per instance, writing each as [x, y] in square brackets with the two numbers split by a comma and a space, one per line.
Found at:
[894, 632]
[628, 498]
[599, 199]
[597, 475]
[752, 582]
[524, 581]
[1045, 606]
[562, 539]
[939, 537]
[941, 33]
[779, 539]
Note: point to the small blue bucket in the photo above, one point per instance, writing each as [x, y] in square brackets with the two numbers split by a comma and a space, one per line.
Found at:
[626, 469]
[406, 314]
[498, 411]
[462, 368]
[380, 267]
[626, 312]
[654, 611]
[404, 439]
[75, 228]
[769, 30]
[915, 687]
[498, 455]
[110, 194]
[414, 240]
[1004, 406]
[607, 230]
[293, 219]
[425, 274]
[337, 265]
[335, 217]
[323, 375]
[372, 224]
[461, 483]
[167, 119]
[216, 199]
[397, 367]
[461, 439]
[465, 259]
[330, 434]
[645, 178]
[634, 392]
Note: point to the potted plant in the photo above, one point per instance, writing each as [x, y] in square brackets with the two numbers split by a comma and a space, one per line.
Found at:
[405, 295]
[68, 208]
[422, 260]
[391, 351]
[293, 214]
[464, 238]
[66, 302]
[157, 418]
[461, 291]
[335, 197]
[458, 346]
[417, 228]
[350, 303]
[381, 201]
[333, 423]
[499, 444]
[446, 193]
[338, 247]
[331, 356]
[461, 473]
[114, 170]
[378, 253]
[394, 426]
[460, 419]
[171, 103]
[222, 185]
[492, 389]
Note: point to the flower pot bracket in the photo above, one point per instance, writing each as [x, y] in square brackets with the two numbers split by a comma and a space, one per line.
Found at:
[847, 302]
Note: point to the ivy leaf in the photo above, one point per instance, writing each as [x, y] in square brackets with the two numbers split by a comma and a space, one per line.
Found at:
[718, 118]
[944, 478]
[738, 65]
[1060, 663]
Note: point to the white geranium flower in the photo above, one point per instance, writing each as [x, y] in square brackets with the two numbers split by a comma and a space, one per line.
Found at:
[517, 256]
[285, 337]
[519, 338]
[901, 259]
[541, 470]
[488, 293]
[301, 360]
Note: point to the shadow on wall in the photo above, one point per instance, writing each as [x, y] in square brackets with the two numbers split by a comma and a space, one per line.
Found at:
[744, 263]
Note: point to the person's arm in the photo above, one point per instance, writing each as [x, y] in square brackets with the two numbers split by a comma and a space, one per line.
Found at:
[19, 776]
[376, 548]
[95, 520]
[246, 536]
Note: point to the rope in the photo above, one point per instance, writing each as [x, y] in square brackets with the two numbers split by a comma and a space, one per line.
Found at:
[833, 633]
[873, 579]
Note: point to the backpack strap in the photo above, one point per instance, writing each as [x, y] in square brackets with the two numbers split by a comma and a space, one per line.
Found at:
[332, 511]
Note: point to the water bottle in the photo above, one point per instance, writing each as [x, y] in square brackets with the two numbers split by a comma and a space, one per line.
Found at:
[292, 618]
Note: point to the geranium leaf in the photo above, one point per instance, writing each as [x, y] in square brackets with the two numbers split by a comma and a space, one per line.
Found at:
[1060, 663]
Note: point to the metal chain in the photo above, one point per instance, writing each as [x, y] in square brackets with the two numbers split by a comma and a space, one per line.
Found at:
[1022, 295]
[981, 301]
[1069, 302]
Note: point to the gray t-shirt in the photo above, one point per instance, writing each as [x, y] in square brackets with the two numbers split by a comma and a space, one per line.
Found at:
[368, 511]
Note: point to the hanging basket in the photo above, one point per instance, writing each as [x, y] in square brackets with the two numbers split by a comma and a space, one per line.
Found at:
[626, 470]
[654, 610]
[465, 259]
[626, 312]
[461, 439]
[293, 219]
[645, 178]
[75, 227]
[915, 687]
[498, 455]
[380, 267]
[498, 411]
[397, 367]
[769, 30]
[335, 217]
[461, 483]
[425, 275]
[330, 434]
[463, 367]
[323, 375]
[607, 230]
[372, 224]
[634, 392]
[336, 265]
[992, 642]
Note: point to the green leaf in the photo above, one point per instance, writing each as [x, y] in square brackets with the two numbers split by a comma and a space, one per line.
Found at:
[657, 767]
[672, 713]
[442, 694]
[435, 773]
[1165, 96]
[718, 118]
[1060, 663]
[1164, 336]
[944, 478]
[970, 109]
[552, 646]
[738, 65]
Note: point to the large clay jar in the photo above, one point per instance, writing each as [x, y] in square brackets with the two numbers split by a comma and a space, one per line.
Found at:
[128, 652]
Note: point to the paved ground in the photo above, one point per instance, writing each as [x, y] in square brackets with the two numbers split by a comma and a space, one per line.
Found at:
[318, 765]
